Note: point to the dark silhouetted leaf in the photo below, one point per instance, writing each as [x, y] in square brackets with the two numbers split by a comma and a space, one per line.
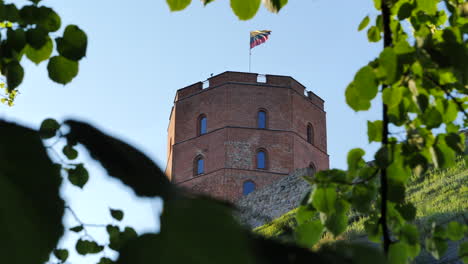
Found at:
[77, 229]
[78, 176]
[62, 70]
[70, 152]
[61, 254]
[84, 247]
[73, 44]
[30, 206]
[49, 128]
[117, 214]
[14, 74]
[122, 160]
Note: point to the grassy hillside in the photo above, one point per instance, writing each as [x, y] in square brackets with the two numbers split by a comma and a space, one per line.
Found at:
[440, 196]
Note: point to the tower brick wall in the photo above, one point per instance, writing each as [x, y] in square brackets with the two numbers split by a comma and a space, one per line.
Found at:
[231, 103]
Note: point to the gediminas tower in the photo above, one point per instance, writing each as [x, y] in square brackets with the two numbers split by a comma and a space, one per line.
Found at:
[238, 132]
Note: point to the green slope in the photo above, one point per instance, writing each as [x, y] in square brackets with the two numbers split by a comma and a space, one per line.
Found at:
[440, 196]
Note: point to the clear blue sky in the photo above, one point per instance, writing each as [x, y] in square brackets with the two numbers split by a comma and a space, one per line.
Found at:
[140, 53]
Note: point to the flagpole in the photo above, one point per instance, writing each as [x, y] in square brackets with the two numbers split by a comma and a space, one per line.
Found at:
[250, 56]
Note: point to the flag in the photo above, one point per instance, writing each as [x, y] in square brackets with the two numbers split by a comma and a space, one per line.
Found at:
[258, 37]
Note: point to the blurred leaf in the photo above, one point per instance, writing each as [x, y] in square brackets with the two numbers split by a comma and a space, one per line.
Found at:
[117, 214]
[397, 253]
[84, 247]
[362, 196]
[405, 11]
[365, 83]
[324, 199]
[436, 246]
[337, 221]
[427, 6]
[455, 231]
[78, 176]
[365, 21]
[354, 100]
[407, 211]
[105, 260]
[73, 44]
[61, 254]
[48, 19]
[49, 128]
[30, 206]
[245, 9]
[410, 234]
[463, 252]
[37, 37]
[122, 160]
[62, 70]
[309, 233]
[355, 161]
[274, 5]
[382, 157]
[305, 213]
[212, 234]
[177, 5]
[117, 238]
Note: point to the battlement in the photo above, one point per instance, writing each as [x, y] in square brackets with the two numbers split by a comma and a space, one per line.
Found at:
[230, 77]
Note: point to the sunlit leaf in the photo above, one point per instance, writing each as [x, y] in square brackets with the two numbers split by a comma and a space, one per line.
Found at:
[245, 9]
[42, 54]
[62, 70]
[309, 233]
[177, 5]
[374, 131]
[365, 21]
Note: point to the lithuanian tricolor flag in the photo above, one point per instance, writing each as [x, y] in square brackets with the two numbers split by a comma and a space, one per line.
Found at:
[258, 37]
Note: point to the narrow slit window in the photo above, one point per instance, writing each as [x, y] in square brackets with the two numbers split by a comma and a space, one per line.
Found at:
[261, 119]
[200, 166]
[202, 125]
[261, 160]
[310, 134]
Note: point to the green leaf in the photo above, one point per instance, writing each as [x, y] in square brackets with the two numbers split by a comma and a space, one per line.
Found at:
[309, 233]
[388, 65]
[84, 247]
[392, 95]
[397, 253]
[362, 196]
[455, 231]
[14, 74]
[78, 176]
[39, 55]
[355, 161]
[122, 161]
[410, 234]
[432, 118]
[396, 191]
[305, 213]
[105, 260]
[61, 254]
[324, 199]
[374, 131]
[337, 221]
[77, 229]
[177, 5]
[427, 6]
[274, 5]
[373, 34]
[207, 226]
[73, 44]
[49, 128]
[407, 211]
[382, 157]
[70, 152]
[366, 83]
[245, 9]
[364, 23]
[61, 69]
[455, 142]
[48, 19]
[37, 37]
[117, 239]
[30, 205]
[436, 246]
[16, 39]
[463, 252]
[405, 11]
[117, 214]
[354, 100]
[205, 2]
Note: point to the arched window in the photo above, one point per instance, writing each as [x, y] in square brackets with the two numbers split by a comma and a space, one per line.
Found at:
[202, 125]
[312, 168]
[248, 187]
[310, 134]
[199, 165]
[262, 119]
[261, 159]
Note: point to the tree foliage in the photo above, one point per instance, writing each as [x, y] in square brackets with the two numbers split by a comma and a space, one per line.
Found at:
[421, 76]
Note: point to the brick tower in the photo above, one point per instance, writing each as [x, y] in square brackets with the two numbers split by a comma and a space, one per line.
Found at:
[238, 132]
